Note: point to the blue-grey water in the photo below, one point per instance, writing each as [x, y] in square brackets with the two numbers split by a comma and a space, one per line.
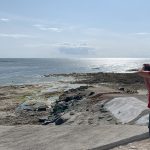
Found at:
[21, 71]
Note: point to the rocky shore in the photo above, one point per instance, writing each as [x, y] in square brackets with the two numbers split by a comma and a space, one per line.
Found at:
[80, 101]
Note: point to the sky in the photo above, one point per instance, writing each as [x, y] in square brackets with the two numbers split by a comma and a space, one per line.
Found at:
[74, 28]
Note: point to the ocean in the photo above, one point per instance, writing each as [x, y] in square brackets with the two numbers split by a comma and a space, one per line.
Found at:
[27, 71]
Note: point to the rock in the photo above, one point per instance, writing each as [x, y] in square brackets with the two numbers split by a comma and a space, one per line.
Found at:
[46, 122]
[66, 116]
[90, 121]
[72, 113]
[74, 97]
[46, 75]
[102, 105]
[60, 107]
[59, 121]
[53, 118]
[67, 99]
[125, 109]
[133, 147]
[32, 105]
[43, 119]
[109, 119]
[91, 93]
[97, 107]
[82, 88]
[41, 108]
[103, 110]
[101, 117]
[121, 88]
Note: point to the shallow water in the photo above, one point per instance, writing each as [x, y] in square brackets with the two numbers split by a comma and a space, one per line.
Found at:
[21, 71]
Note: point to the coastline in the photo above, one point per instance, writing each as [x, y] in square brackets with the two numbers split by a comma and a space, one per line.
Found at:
[27, 104]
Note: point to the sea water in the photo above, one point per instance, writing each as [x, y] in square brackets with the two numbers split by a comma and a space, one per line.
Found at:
[25, 71]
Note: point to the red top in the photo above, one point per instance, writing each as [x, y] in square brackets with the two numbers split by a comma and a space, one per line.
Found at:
[146, 76]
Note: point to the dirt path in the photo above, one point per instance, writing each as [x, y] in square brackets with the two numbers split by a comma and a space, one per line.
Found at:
[64, 137]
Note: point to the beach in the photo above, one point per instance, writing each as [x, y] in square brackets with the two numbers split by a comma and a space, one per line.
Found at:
[82, 102]
[86, 90]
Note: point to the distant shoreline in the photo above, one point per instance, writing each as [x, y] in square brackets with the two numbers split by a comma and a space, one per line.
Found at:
[92, 78]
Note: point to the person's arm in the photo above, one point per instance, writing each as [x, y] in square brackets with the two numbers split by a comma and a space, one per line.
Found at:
[144, 74]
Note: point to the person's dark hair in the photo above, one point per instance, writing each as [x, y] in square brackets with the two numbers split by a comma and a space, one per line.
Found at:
[146, 67]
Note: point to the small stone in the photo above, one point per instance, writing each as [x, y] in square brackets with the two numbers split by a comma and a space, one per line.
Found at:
[100, 117]
[103, 110]
[42, 108]
[133, 147]
[43, 119]
[46, 122]
[59, 121]
[91, 93]
[90, 121]
[71, 113]
[102, 105]
[121, 88]
[109, 119]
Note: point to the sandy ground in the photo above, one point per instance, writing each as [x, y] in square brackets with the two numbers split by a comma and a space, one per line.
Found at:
[64, 137]
[85, 111]
[11, 97]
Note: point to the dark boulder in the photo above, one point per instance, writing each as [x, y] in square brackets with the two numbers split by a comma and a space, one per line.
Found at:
[59, 121]
[60, 107]
[91, 93]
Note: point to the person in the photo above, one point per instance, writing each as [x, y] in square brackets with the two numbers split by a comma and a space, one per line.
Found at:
[145, 73]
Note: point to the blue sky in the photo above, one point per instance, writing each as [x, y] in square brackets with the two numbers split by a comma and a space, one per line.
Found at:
[74, 28]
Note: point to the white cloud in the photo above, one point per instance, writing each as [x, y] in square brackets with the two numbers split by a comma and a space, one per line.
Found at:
[142, 33]
[7, 35]
[47, 28]
[4, 19]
